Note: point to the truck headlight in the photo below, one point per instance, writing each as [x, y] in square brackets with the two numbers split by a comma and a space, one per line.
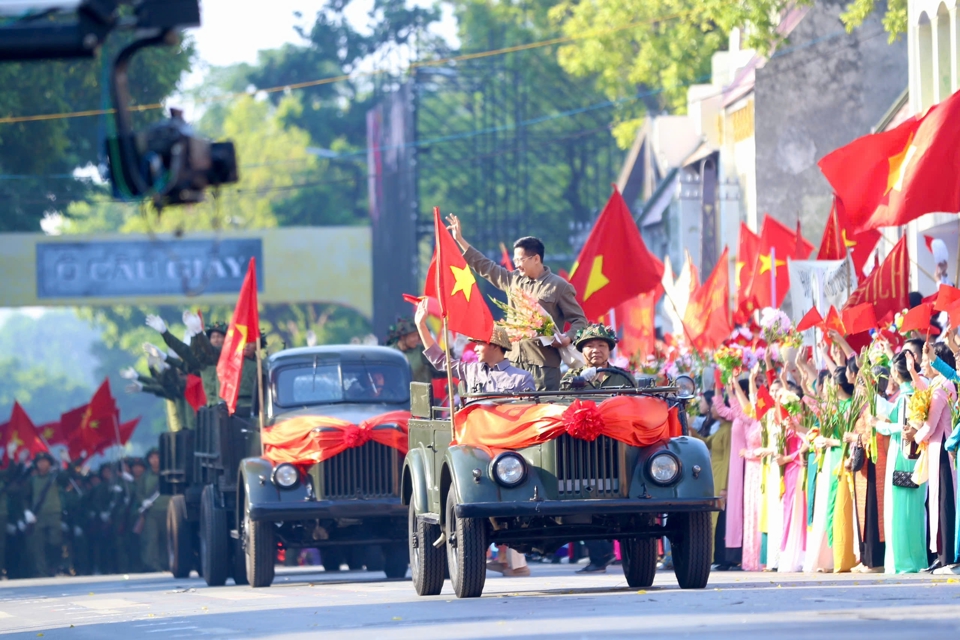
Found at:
[509, 469]
[286, 476]
[663, 468]
[686, 387]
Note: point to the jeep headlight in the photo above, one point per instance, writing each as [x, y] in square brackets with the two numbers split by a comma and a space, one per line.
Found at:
[686, 387]
[286, 476]
[663, 468]
[509, 469]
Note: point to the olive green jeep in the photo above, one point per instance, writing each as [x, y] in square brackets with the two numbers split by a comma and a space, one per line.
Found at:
[463, 498]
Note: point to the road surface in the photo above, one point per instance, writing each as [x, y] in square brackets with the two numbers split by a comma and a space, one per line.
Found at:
[552, 602]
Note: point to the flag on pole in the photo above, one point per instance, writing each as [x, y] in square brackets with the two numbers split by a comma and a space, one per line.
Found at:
[244, 329]
[777, 243]
[707, 318]
[505, 261]
[839, 238]
[19, 436]
[638, 319]
[764, 402]
[859, 318]
[888, 179]
[90, 426]
[614, 264]
[745, 268]
[810, 320]
[887, 287]
[461, 303]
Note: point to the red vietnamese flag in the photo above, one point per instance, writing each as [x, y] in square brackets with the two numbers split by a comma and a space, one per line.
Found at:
[93, 424]
[707, 318]
[887, 287]
[888, 179]
[764, 402]
[946, 296]
[803, 247]
[614, 264]
[810, 320]
[244, 329]
[953, 312]
[777, 243]
[461, 303]
[917, 319]
[505, 260]
[52, 433]
[839, 238]
[833, 322]
[637, 317]
[19, 435]
[744, 271]
[194, 394]
[125, 430]
[859, 318]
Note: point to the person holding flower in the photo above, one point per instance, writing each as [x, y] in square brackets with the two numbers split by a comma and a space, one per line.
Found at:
[904, 511]
[793, 544]
[554, 294]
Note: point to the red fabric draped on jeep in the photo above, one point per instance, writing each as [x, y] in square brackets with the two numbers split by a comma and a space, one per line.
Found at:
[639, 421]
[310, 439]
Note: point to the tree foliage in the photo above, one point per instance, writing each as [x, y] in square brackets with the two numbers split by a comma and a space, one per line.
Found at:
[894, 19]
[657, 47]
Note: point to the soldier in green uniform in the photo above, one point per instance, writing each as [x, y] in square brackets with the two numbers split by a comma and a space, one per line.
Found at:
[109, 506]
[152, 508]
[595, 342]
[202, 354]
[8, 527]
[43, 516]
[404, 337]
[167, 380]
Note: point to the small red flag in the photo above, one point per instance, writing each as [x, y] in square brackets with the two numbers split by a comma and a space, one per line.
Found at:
[839, 239]
[777, 243]
[126, 430]
[52, 433]
[833, 322]
[707, 317]
[461, 302]
[744, 271]
[92, 425]
[928, 241]
[244, 329]
[764, 402]
[505, 260]
[19, 435]
[859, 318]
[954, 314]
[194, 394]
[810, 320]
[614, 264]
[888, 179]
[638, 319]
[946, 296]
[887, 287]
[917, 319]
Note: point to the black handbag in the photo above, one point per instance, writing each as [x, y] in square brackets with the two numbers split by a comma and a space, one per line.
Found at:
[858, 456]
[904, 480]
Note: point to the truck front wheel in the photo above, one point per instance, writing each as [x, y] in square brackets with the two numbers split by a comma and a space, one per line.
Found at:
[466, 551]
[692, 547]
[428, 564]
[261, 550]
[639, 561]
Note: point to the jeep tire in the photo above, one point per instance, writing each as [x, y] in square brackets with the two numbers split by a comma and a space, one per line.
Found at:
[260, 550]
[428, 564]
[180, 538]
[692, 548]
[466, 551]
[639, 561]
[214, 540]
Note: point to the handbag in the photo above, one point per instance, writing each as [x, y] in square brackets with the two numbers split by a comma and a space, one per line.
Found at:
[904, 480]
[858, 456]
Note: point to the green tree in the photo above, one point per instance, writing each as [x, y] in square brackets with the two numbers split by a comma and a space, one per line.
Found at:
[894, 19]
[633, 46]
[38, 158]
[43, 394]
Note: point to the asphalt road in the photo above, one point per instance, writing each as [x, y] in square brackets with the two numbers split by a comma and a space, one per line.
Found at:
[552, 602]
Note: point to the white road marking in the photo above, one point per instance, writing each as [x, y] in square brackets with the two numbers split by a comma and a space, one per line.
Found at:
[109, 604]
[236, 595]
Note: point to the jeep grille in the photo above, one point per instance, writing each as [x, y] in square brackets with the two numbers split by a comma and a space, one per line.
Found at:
[368, 471]
[588, 469]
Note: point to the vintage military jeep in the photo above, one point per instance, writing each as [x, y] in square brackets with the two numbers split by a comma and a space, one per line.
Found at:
[462, 498]
[346, 504]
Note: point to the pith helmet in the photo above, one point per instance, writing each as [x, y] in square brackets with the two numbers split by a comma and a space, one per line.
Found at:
[500, 338]
[595, 332]
[216, 327]
[402, 327]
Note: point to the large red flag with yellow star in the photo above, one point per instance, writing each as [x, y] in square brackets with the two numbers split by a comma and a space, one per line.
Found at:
[614, 264]
[461, 302]
[744, 271]
[707, 318]
[91, 426]
[777, 243]
[888, 179]
[19, 436]
[244, 329]
[839, 238]
[887, 287]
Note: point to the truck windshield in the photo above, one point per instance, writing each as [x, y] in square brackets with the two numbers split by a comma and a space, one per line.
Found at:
[330, 382]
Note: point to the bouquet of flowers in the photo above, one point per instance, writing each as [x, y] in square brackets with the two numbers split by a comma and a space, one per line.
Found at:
[651, 365]
[789, 401]
[525, 319]
[776, 326]
[918, 406]
[730, 362]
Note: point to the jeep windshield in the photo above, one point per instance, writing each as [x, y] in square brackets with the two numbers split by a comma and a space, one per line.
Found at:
[326, 382]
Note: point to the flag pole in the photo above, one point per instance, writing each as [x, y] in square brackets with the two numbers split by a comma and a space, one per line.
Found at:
[773, 277]
[446, 353]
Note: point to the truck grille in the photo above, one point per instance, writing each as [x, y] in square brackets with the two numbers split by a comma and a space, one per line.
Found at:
[588, 469]
[368, 471]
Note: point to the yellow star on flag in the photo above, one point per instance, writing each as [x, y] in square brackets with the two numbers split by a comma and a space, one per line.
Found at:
[766, 262]
[48, 433]
[739, 267]
[596, 280]
[847, 242]
[898, 166]
[243, 331]
[464, 281]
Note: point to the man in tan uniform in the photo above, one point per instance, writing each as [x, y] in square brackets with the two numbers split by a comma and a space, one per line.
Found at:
[555, 295]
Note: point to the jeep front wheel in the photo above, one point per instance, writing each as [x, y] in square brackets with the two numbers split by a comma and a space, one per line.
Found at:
[466, 551]
[692, 548]
[261, 550]
[428, 564]
[639, 561]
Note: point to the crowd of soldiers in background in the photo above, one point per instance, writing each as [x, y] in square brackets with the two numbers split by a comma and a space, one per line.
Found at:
[71, 521]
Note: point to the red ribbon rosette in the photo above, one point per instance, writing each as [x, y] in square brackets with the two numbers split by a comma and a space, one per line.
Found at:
[582, 420]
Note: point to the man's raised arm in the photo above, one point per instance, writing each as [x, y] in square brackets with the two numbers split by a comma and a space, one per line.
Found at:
[498, 276]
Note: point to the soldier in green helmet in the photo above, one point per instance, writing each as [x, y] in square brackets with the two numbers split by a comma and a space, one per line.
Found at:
[43, 515]
[404, 337]
[596, 342]
[203, 352]
[152, 510]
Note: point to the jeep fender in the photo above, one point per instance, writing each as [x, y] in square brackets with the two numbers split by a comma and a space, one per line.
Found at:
[696, 473]
[256, 485]
[462, 460]
[415, 481]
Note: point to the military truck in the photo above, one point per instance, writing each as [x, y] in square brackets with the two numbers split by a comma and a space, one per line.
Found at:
[462, 498]
[233, 509]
